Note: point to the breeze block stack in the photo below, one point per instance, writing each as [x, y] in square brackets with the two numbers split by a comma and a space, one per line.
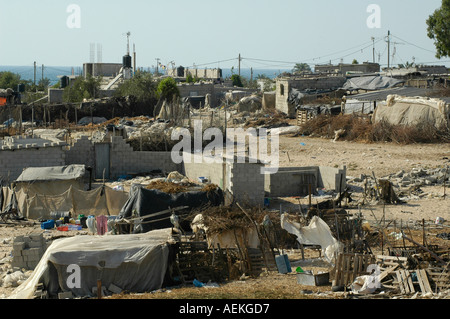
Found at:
[28, 250]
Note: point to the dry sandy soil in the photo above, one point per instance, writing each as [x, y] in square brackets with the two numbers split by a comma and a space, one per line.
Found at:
[379, 158]
[360, 158]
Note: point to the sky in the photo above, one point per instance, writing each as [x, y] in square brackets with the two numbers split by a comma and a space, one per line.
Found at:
[212, 33]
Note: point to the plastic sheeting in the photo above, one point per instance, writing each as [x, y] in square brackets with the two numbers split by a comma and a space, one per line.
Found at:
[316, 233]
[135, 263]
[371, 83]
[99, 201]
[150, 201]
[400, 110]
[53, 173]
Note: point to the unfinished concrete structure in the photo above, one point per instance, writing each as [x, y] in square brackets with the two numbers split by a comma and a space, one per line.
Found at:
[17, 153]
[101, 69]
[112, 159]
[300, 181]
[343, 68]
[284, 85]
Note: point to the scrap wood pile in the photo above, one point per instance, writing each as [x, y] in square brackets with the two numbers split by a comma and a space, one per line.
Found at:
[267, 121]
[420, 268]
[220, 219]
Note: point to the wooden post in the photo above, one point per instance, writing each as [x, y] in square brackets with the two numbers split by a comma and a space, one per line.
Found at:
[309, 194]
[99, 289]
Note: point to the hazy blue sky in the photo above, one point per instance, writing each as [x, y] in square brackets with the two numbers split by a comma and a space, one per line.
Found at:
[203, 31]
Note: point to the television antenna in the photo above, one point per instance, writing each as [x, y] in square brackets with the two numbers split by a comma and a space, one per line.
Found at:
[128, 34]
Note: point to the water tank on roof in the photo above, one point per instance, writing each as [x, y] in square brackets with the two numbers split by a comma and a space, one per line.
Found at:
[64, 82]
[127, 61]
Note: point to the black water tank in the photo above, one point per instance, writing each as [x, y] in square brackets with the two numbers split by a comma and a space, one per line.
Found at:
[64, 82]
[127, 61]
[21, 88]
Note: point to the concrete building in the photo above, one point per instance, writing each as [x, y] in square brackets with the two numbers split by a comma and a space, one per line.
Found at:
[207, 74]
[344, 69]
[284, 85]
[102, 69]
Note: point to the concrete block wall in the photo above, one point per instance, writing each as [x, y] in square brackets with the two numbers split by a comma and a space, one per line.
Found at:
[284, 85]
[14, 161]
[82, 152]
[28, 250]
[291, 181]
[330, 177]
[246, 183]
[126, 161]
[193, 168]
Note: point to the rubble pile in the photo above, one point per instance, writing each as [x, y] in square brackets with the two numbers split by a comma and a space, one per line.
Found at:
[407, 185]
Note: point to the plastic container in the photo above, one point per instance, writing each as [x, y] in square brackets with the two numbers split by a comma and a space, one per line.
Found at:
[48, 224]
[310, 279]
[283, 264]
[63, 228]
[74, 227]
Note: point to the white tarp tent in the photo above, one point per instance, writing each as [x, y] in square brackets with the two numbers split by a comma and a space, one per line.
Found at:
[135, 263]
[399, 110]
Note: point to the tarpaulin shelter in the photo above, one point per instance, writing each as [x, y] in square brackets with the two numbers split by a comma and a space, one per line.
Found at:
[100, 201]
[136, 263]
[143, 202]
[52, 180]
[370, 83]
[400, 110]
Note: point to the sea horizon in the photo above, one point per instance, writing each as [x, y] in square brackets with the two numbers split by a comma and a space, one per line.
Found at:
[53, 73]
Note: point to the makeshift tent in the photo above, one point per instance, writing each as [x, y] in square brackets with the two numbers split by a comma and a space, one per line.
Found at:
[53, 180]
[135, 263]
[142, 202]
[370, 83]
[400, 110]
[100, 201]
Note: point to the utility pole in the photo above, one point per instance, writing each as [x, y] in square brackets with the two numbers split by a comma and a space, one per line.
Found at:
[389, 48]
[373, 49]
[134, 58]
[34, 73]
[42, 73]
[240, 64]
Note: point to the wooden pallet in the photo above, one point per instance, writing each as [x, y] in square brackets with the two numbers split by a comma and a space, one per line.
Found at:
[303, 117]
[406, 283]
[257, 262]
[350, 266]
[439, 278]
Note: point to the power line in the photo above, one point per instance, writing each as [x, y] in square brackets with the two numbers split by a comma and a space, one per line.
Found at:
[414, 44]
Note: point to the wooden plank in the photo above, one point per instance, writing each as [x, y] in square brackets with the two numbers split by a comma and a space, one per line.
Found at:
[356, 265]
[337, 275]
[420, 281]
[425, 281]
[409, 281]
[386, 272]
[400, 281]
